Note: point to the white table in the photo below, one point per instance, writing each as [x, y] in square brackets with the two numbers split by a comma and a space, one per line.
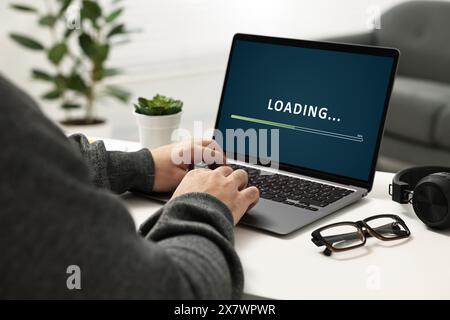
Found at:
[293, 267]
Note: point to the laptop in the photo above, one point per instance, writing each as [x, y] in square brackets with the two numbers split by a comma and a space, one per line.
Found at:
[325, 104]
[328, 103]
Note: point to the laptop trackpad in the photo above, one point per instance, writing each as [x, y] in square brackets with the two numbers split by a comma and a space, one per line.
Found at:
[267, 215]
[278, 218]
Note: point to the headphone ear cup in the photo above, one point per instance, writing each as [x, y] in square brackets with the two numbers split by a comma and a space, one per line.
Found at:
[431, 200]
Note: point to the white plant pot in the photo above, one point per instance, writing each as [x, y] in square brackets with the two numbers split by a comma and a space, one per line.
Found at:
[156, 131]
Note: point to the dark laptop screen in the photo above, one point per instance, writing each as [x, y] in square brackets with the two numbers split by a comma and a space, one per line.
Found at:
[328, 105]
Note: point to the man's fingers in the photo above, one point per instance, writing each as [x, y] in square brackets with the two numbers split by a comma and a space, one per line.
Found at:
[240, 177]
[211, 143]
[179, 174]
[251, 196]
[213, 156]
[247, 198]
[193, 154]
[212, 152]
[205, 142]
[224, 170]
[207, 155]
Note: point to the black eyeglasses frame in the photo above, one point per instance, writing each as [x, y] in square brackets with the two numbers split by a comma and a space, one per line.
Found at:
[364, 231]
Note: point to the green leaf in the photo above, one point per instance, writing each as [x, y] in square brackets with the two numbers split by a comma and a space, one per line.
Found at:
[41, 75]
[52, 95]
[87, 44]
[60, 83]
[119, 29]
[118, 93]
[91, 10]
[111, 72]
[142, 102]
[22, 7]
[68, 32]
[57, 53]
[64, 5]
[26, 41]
[159, 105]
[113, 15]
[75, 82]
[47, 21]
[101, 53]
[68, 106]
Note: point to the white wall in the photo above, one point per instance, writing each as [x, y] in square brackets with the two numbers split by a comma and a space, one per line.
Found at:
[192, 36]
[183, 46]
[187, 31]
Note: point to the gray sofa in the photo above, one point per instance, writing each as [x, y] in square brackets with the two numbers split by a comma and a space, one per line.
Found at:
[418, 124]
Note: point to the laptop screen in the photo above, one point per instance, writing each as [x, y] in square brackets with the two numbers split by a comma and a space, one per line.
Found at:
[328, 105]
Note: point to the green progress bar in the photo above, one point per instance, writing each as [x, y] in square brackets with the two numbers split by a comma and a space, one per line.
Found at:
[292, 127]
[271, 123]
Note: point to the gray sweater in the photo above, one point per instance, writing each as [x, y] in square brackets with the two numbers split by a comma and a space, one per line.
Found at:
[58, 209]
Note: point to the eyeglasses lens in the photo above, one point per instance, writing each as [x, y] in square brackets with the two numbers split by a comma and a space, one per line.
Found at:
[342, 236]
[387, 227]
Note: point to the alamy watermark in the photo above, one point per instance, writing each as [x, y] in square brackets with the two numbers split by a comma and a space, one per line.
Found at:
[254, 146]
[373, 281]
[73, 281]
[73, 17]
[373, 21]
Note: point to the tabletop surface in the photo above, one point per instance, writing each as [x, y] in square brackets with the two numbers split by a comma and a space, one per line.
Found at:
[292, 267]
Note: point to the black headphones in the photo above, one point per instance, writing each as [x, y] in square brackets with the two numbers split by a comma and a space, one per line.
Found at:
[428, 189]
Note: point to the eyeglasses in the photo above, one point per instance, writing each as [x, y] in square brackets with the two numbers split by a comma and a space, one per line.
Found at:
[343, 236]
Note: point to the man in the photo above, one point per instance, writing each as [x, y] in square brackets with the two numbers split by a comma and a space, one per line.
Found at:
[57, 214]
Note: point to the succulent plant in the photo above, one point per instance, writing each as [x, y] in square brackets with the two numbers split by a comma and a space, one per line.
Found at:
[158, 106]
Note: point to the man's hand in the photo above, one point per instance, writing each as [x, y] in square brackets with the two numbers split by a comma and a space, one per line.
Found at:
[173, 161]
[225, 184]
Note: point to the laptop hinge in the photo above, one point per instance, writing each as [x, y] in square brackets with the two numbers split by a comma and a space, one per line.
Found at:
[366, 191]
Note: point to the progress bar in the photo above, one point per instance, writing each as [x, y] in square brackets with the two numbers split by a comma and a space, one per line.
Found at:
[297, 128]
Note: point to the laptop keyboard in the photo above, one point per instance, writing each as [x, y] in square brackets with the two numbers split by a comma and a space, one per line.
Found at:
[292, 191]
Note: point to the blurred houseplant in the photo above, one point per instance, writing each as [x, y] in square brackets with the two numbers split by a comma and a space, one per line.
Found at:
[157, 119]
[82, 36]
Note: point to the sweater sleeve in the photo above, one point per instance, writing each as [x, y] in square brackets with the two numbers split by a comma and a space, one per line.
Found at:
[54, 220]
[115, 170]
[203, 215]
